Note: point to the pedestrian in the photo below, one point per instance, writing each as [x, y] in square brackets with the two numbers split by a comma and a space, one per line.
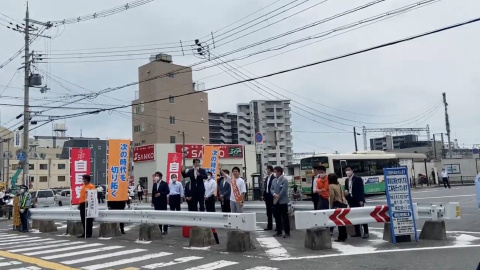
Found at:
[196, 175]
[337, 200]
[24, 204]
[118, 205]
[210, 187]
[176, 194]
[87, 223]
[280, 201]
[160, 192]
[295, 192]
[100, 194]
[140, 189]
[315, 196]
[445, 178]
[238, 190]
[268, 197]
[434, 178]
[355, 195]
[224, 192]
[322, 189]
[188, 195]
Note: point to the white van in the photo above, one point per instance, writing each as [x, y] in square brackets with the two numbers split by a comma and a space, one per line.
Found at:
[43, 198]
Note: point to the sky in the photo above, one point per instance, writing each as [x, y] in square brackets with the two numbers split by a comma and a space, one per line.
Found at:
[396, 86]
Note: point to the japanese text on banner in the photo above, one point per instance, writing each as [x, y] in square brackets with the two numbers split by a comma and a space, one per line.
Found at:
[211, 155]
[118, 165]
[174, 165]
[79, 165]
[92, 204]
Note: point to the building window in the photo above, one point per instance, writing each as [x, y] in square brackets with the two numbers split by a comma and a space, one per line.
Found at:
[61, 178]
[136, 128]
[173, 139]
[61, 166]
[143, 142]
[141, 108]
[14, 166]
[171, 99]
[42, 178]
[43, 167]
[172, 120]
[142, 127]
[32, 179]
[31, 166]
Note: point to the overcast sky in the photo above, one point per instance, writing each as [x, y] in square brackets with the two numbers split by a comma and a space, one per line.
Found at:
[398, 86]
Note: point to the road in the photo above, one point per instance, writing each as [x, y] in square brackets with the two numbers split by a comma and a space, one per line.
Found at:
[56, 251]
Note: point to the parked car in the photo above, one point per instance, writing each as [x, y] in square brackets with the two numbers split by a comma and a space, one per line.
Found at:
[63, 198]
[43, 198]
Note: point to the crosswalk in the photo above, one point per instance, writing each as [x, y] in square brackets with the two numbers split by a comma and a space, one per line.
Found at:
[91, 255]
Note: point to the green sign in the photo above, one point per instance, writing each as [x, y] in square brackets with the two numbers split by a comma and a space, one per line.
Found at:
[235, 152]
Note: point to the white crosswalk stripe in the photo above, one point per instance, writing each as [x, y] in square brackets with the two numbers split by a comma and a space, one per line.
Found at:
[44, 247]
[213, 265]
[103, 256]
[35, 243]
[81, 252]
[174, 262]
[6, 241]
[9, 263]
[62, 249]
[126, 261]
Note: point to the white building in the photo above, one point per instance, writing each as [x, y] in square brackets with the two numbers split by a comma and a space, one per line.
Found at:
[272, 119]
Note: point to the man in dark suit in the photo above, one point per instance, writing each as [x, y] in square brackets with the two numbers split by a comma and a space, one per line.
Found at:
[355, 195]
[315, 195]
[160, 192]
[268, 197]
[196, 175]
[224, 192]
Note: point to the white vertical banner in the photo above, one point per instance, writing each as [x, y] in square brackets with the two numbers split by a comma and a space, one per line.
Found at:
[92, 204]
[17, 139]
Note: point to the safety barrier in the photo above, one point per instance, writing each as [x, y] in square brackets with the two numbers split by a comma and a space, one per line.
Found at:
[371, 214]
[234, 221]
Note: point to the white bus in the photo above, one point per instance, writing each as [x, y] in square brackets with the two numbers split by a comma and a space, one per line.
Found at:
[368, 164]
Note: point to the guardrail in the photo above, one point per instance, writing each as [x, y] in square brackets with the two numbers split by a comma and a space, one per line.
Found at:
[234, 221]
[370, 214]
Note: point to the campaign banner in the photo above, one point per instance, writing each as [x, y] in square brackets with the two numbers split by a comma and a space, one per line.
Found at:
[211, 155]
[174, 165]
[117, 170]
[79, 165]
[92, 203]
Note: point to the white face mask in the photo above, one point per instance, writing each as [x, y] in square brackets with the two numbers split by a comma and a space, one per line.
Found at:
[349, 173]
[157, 178]
[174, 180]
[322, 174]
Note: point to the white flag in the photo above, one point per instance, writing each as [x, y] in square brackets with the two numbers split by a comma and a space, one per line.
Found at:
[92, 203]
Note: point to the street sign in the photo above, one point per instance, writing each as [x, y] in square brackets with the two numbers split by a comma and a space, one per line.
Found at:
[476, 153]
[20, 155]
[258, 137]
[400, 206]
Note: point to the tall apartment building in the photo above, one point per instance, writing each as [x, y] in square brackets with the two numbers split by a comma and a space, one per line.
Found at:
[271, 118]
[392, 142]
[223, 128]
[164, 121]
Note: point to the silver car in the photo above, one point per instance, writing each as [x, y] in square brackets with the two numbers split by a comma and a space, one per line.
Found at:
[63, 198]
[43, 198]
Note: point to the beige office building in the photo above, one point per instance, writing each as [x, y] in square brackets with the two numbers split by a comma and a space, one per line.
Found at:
[164, 121]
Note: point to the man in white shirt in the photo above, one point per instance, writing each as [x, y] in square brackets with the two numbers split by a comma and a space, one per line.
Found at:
[176, 193]
[239, 189]
[210, 187]
[100, 194]
[445, 178]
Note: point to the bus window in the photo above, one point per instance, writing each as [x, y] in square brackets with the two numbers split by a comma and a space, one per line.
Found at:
[339, 167]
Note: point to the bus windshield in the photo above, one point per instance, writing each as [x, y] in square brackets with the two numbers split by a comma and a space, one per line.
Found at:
[308, 163]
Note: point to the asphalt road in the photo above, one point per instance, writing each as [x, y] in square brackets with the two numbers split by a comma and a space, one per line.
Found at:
[56, 251]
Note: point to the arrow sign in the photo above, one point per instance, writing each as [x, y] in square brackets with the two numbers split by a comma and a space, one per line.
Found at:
[380, 213]
[339, 217]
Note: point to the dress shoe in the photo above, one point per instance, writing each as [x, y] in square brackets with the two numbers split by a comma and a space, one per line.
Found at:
[122, 232]
[164, 233]
[365, 236]
[339, 240]
[267, 229]
[278, 235]
[286, 236]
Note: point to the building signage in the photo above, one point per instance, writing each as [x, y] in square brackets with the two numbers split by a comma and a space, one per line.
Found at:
[79, 165]
[144, 153]
[400, 206]
[118, 167]
[196, 150]
[174, 165]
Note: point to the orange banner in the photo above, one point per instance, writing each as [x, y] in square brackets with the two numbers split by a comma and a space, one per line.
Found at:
[118, 168]
[211, 155]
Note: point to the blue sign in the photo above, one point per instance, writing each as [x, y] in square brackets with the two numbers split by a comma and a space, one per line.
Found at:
[21, 156]
[400, 206]
[475, 151]
[258, 137]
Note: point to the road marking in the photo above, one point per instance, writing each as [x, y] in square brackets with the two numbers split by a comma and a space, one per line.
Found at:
[214, 265]
[37, 244]
[41, 263]
[273, 248]
[125, 261]
[41, 252]
[19, 239]
[81, 252]
[14, 237]
[28, 268]
[263, 268]
[10, 263]
[174, 262]
[104, 256]
[44, 247]
[374, 252]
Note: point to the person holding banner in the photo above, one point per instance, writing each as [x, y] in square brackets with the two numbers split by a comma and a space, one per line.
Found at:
[238, 190]
[197, 188]
[88, 227]
[160, 192]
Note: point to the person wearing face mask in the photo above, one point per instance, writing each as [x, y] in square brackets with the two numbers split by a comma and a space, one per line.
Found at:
[315, 195]
[197, 188]
[224, 191]
[322, 189]
[24, 204]
[176, 193]
[160, 192]
[268, 197]
[210, 187]
[355, 195]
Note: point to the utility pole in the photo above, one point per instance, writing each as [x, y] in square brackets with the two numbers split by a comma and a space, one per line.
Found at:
[434, 147]
[447, 123]
[355, 138]
[26, 105]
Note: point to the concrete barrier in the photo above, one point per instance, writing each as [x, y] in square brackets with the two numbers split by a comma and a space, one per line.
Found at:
[74, 228]
[238, 241]
[109, 230]
[47, 226]
[149, 232]
[318, 239]
[434, 230]
[291, 218]
[201, 237]
[35, 224]
[387, 235]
